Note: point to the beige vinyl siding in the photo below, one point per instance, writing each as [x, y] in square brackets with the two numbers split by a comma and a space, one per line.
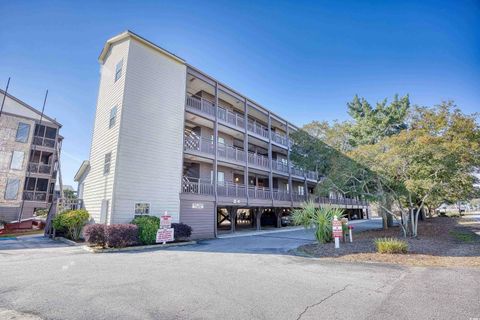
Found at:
[98, 187]
[151, 134]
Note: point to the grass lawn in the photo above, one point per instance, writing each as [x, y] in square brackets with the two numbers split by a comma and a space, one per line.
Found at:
[442, 241]
[21, 233]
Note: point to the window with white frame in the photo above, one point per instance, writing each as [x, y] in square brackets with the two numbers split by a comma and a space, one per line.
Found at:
[118, 70]
[17, 160]
[142, 208]
[301, 190]
[106, 164]
[23, 130]
[220, 177]
[11, 191]
[113, 117]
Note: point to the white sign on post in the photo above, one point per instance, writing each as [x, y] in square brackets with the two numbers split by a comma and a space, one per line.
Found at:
[337, 231]
[165, 233]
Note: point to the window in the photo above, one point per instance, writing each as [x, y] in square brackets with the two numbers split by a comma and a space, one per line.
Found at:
[142, 208]
[11, 190]
[50, 133]
[220, 177]
[106, 165]
[118, 70]
[301, 190]
[17, 160]
[220, 140]
[113, 116]
[23, 131]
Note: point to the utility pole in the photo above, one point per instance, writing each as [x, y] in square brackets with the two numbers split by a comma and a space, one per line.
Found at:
[28, 171]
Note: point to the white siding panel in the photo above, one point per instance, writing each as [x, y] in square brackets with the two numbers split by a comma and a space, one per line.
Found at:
[151, 135]
[97, 186]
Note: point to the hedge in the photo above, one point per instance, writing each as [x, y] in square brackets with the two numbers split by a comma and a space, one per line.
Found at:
[147, 228]
[181, 231]
[121, 235]
[95, 234]
[71, 223]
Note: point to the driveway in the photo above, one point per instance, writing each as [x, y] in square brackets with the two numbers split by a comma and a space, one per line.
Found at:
[275, 241]
[58, 282]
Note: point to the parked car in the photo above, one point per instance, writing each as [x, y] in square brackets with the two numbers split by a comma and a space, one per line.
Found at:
[287, 221]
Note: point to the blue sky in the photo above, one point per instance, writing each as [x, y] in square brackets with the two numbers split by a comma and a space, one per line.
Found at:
[302, 59]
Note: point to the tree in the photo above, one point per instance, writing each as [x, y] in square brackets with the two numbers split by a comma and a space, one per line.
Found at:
[373, 124]
[430, 159]
[434, 158]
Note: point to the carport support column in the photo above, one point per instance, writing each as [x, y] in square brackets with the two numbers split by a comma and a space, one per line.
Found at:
[232, 212]
[258, 217]
[278, 215]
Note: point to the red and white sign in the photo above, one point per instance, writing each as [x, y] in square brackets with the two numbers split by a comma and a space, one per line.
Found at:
[165, 235]
[165, 221]
[337, 229]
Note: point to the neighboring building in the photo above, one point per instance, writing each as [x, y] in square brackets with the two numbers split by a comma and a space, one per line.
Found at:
[28, 159]
[168, 137]
[68, 192]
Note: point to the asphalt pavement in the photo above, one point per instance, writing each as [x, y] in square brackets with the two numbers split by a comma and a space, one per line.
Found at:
[62, 282]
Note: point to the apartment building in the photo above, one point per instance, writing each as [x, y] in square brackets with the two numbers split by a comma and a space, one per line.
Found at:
[28, 159]
[168, 137]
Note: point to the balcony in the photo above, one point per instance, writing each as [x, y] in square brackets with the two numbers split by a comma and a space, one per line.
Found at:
[257, 128]
[234, 190]
[40, 168]
[208, 108]
[280, 138]
[199, 144]
[280, 166]
[230, 117]
[44, 142]
[40, 196]
[202, 105]
[225, 151]
[258, 160]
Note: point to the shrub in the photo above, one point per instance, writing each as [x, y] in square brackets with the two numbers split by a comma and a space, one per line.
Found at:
[71, 222]
[147, 228]
[181, 231]
[319, 218]
[95, 234]
[391, 245]
[121, 235]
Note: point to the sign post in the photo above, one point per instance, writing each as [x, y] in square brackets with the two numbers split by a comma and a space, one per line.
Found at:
[165, 233]
[337, 231]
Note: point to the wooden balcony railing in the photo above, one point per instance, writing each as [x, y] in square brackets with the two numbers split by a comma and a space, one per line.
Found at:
[201, 104]
[231, 117]
[258, 160]
[199, 144]
[280, 166]
[39, 168]
[257, 128]
[229, 152]
[45, 142]
[279, 138]
[192, 185]
[35, 196]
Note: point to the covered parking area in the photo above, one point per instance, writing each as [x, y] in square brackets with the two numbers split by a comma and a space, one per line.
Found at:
[237, 219]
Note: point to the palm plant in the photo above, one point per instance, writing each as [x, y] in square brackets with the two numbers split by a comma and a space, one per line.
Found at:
[319, 218]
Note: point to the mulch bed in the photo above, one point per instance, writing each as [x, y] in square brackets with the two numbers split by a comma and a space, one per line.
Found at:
[442, 241]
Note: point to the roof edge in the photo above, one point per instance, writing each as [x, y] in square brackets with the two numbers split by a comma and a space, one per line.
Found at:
[83, 167]
[129, 34]
[26, 105]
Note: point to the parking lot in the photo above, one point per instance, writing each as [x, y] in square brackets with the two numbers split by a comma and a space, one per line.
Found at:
[204, 281]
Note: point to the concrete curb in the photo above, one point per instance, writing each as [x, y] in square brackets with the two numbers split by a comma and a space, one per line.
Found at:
[68, 241]
[136, 248]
